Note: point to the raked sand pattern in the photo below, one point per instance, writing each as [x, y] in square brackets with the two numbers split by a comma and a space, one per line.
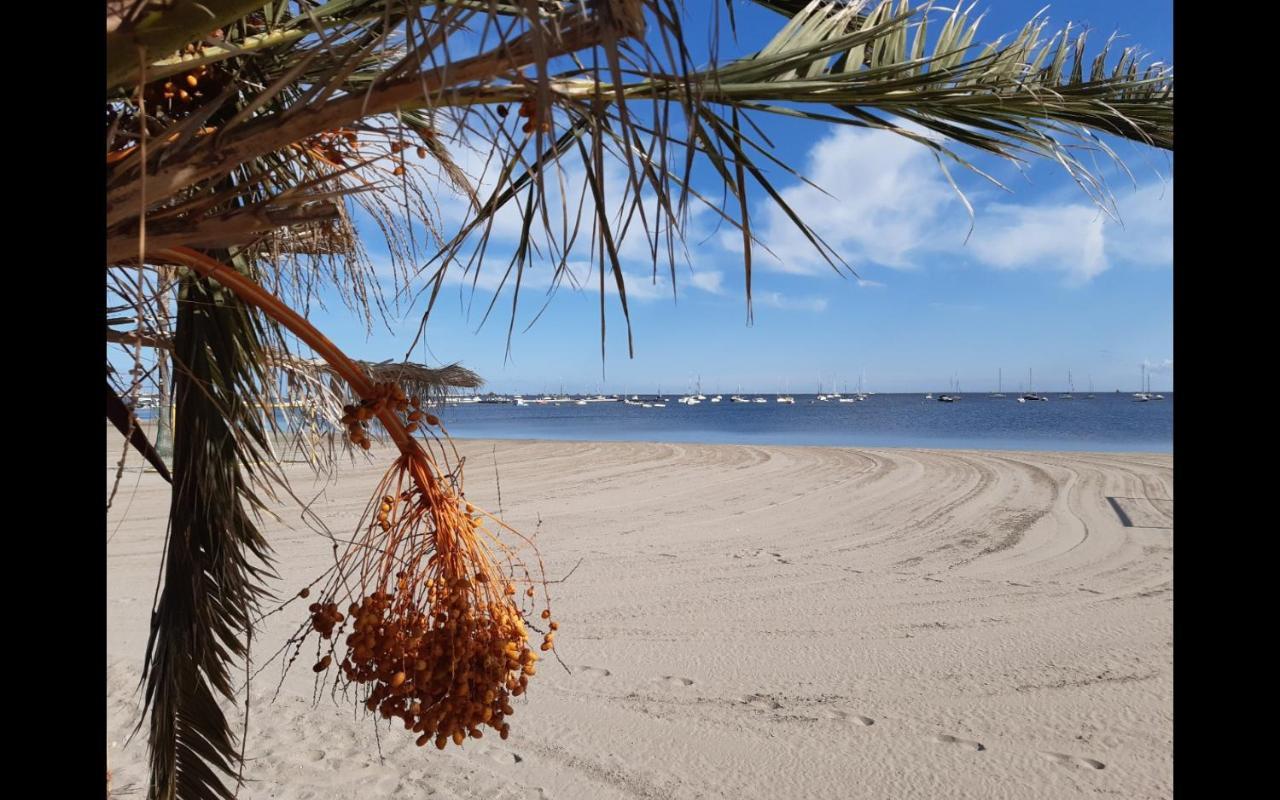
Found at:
[753, 622]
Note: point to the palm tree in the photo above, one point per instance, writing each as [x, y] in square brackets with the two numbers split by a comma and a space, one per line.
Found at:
[247, 144]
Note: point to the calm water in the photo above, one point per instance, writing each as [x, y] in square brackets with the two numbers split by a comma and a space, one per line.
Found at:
[1110, 422]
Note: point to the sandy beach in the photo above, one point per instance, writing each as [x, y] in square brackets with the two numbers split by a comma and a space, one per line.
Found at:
[749, 622]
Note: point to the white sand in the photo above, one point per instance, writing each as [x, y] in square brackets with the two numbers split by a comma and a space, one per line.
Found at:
[756, 622]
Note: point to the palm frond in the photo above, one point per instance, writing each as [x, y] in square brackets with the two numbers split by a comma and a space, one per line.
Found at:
[216, 558]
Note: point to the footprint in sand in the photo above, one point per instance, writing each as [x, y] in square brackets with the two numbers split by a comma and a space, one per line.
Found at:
[505, 756]
[314, 755]
[857, 719]
[1073, 761]
[944, 738]
[761, 702]
[590, 672]
[675, 682]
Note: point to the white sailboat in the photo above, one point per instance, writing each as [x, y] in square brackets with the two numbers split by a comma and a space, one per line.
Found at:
[786, 398]
[1143, 396]
[1070, 395]
[999, 384]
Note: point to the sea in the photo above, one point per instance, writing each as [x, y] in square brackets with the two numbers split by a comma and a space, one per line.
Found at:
[1111, 422]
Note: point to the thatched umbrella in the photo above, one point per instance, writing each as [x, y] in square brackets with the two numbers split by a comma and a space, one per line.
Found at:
[242, 139]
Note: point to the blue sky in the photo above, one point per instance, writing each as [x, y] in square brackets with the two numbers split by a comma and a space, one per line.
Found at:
[1045, 281]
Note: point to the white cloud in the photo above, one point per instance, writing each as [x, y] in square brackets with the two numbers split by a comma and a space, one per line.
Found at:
[881, 201]
[780, 301]
[888, 203]
[708, 281]
[641, 286]
[1065, 238]
[1076, 238]
[1146, 239]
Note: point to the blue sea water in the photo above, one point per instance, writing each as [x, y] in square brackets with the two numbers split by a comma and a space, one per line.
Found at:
[1110, 422]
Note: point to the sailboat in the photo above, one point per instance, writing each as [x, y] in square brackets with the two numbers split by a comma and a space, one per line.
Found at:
[1031, 395]
[1151, 395]
[1143, 396]
[947, 398]
[1090, 395]
[953, 394]
[999, 384]
[738, 398]
[693, 398]
[1071, 390]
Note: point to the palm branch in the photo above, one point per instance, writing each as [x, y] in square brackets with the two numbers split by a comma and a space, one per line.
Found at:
[232, 129]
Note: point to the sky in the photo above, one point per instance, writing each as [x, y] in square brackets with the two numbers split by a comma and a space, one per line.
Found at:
[1043, 282]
